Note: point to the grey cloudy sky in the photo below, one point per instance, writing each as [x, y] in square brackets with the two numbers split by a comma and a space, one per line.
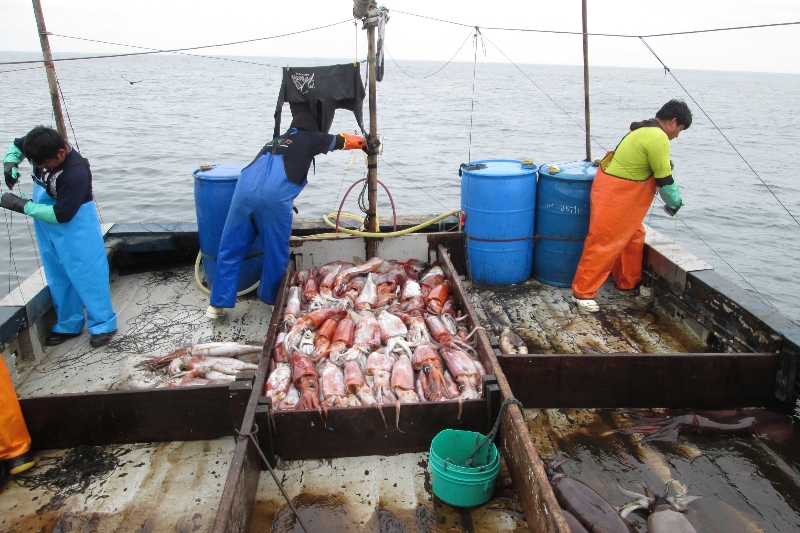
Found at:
[166, 24]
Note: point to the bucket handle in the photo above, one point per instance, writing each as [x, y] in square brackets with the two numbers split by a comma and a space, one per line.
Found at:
[450, 461]
[492, 433]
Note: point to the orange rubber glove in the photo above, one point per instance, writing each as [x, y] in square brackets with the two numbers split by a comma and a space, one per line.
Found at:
[353, 142]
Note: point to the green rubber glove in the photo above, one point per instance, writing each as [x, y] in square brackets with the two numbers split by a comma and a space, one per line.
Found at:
[671, 196]
[11, 161]
[42, 212]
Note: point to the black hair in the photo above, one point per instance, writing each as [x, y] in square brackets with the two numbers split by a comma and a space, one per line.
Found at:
[42, 143]
[676, 109]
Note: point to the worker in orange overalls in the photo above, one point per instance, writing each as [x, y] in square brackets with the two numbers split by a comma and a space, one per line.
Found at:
[15, 441]
[622, 192]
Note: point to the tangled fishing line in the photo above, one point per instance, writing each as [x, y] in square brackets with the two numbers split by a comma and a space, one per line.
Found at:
[73, 472]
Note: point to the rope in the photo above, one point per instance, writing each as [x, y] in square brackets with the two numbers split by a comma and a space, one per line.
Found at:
[668, 71]
[171, 50]
[628, 36]
[493, 433]
[438, 71]
[254, 438]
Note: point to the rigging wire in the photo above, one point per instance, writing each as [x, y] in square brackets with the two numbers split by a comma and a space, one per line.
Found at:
[577, 123]
[414, 184]
[157, 50]
[19, 69]
[175, 50]
[668, 71]
[624, 35]
[440, 69]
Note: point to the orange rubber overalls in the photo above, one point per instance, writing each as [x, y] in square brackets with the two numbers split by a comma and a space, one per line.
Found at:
[615, 243]
[14, 437]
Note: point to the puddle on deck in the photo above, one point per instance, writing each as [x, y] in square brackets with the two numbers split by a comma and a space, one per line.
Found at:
[381, 494]
[547, 319]
[157, 313]
[746, 484]
[173, 486]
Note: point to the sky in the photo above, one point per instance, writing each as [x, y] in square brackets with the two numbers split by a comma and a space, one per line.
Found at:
[168, 24]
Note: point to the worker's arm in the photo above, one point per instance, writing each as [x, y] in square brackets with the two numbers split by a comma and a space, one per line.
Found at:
[660, 163]
[23, 205]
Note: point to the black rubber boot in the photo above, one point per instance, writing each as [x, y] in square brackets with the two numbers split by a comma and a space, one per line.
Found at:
[101, 339]
[54, 339]
[20, 463]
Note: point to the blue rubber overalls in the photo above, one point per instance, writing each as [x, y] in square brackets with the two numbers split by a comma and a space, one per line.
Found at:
[74, 259]
[261, 206]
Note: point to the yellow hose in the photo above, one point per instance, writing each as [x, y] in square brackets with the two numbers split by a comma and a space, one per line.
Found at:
[203, 288]
[380, 235]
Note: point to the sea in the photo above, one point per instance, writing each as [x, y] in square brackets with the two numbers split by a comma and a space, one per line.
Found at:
[146, 123]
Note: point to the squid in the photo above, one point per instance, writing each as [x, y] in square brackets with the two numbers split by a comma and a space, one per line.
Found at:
[340, 282]
[665, 511]
[402, 383]
[379, 366]
[431, 374]
[278, 383]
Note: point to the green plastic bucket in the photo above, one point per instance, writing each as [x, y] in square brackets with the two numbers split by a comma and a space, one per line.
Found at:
[453, 482]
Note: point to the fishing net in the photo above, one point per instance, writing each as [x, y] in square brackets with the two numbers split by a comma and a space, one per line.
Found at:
[73, 472]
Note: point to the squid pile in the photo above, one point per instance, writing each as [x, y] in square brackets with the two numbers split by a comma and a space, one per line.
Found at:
[379, 333]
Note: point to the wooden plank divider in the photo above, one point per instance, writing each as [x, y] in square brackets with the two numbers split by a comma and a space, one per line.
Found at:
[128, 416]
[619, 380]
[538, 501]
[235, 508]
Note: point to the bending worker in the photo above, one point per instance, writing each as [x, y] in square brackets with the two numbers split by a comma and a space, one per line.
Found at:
[15, 441]
[67, 231]
[622, 192]
[262, 206]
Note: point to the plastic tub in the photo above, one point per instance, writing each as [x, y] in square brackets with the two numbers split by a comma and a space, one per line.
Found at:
[562, 221]
[213, 192]
[498, 200]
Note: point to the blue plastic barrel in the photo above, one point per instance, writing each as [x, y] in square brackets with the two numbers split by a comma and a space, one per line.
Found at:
[562, 220]
[498, 199]
[213, 192]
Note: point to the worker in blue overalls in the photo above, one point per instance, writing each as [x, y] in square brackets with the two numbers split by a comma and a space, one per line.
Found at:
[262, 206]
[67, 231]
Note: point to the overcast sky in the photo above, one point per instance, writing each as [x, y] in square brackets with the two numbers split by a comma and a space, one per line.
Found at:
[166, 24]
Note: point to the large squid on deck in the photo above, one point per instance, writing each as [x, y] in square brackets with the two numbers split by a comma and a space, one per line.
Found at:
[664, 510]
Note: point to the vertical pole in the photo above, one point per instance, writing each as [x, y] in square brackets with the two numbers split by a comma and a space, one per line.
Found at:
[372, 160]
[586, 83]
[49, 68]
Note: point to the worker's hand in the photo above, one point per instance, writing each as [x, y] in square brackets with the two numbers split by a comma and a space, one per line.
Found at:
[353, 142]
[671, 211]
[11, 161]
[11, 174]
[13, 202]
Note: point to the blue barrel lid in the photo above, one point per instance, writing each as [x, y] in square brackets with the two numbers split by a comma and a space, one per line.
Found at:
[500, 167]
[572, 170]
[221, 171]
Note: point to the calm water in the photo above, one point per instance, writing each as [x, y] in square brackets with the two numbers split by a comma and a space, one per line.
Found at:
[144, 141]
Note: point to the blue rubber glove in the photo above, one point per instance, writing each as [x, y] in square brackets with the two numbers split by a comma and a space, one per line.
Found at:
[11, 163]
